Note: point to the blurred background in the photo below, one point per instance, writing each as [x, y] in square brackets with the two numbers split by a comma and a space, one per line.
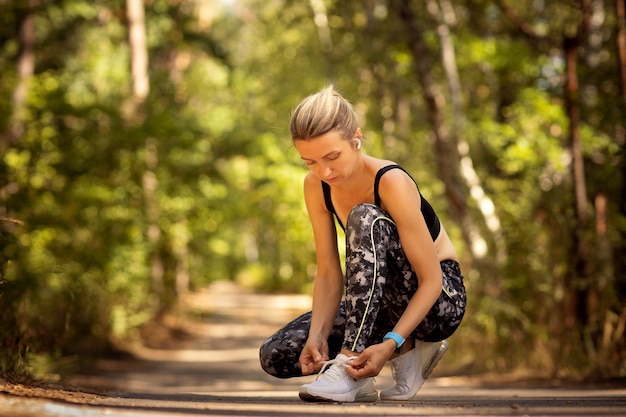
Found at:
[145, 155]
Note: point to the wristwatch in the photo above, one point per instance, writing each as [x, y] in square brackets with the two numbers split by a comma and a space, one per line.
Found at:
[396, 338]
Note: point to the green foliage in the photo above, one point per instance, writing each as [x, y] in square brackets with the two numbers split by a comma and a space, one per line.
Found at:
[206, 165]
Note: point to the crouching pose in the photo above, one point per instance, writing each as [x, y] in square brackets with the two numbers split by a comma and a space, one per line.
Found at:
[404, 292]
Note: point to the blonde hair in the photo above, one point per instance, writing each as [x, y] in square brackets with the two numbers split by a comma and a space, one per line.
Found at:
[323, 112]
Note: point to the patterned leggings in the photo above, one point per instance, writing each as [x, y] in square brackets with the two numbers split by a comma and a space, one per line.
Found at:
[379, 284]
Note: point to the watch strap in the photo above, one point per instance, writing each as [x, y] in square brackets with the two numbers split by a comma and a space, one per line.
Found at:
[396, 338]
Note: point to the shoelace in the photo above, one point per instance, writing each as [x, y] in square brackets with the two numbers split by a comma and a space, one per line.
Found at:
[342, 364]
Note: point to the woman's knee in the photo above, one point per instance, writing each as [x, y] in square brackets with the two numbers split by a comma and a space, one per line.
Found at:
[363, 212]
[269, 356]
[278, 360]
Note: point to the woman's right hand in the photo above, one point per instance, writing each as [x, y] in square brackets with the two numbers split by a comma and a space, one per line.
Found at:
[313, 356]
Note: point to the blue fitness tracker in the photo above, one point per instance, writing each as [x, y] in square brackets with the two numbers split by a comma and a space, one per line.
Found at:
[396, 338]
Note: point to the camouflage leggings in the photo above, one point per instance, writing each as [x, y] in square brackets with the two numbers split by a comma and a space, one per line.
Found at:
[379, 284]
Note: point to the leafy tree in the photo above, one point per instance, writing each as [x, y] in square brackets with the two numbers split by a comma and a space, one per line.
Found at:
[118, 196]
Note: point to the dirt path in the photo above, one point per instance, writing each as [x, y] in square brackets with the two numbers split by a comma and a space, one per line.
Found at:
[211, 369]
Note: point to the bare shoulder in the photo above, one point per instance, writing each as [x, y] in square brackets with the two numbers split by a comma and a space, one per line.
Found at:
[392, 175]
[311, 180]
[313, 193]
[397, 181]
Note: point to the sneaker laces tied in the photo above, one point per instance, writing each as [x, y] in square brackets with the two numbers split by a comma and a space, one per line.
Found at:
[336, 372]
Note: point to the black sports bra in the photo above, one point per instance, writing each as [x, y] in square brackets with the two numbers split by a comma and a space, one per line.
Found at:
[432, 221]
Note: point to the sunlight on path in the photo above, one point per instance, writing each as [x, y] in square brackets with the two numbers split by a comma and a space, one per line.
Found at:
[221, 354]
[433, 401]
[213, 370]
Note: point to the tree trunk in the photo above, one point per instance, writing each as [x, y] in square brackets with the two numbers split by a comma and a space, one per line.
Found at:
[150, 184]
[321, 22]
[579, 285]
[14, 347]
[615, 327]
[15, 131]
[446, 150]
[141, 87]
[25, 70]
[620, 248]
[443, 15]
[138, 49]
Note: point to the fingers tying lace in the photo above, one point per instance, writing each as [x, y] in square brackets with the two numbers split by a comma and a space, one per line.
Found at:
[341, 361]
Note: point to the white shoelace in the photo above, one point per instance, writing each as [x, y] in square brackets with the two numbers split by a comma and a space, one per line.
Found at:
[337, 361]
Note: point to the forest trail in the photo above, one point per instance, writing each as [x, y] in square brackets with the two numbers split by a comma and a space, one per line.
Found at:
[208, 366]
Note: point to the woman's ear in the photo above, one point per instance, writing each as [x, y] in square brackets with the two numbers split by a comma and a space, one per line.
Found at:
[357, 138]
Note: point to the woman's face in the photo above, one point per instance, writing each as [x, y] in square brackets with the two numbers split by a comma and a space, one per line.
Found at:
[330, 157]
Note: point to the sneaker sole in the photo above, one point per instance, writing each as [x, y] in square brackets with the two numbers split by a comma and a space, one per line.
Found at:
[367, 397]
[441, 350]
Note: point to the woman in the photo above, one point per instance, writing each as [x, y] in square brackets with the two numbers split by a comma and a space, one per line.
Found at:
[404, 292]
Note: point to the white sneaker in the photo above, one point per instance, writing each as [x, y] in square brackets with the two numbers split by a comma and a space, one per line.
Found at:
[412, 369]
[336, 385]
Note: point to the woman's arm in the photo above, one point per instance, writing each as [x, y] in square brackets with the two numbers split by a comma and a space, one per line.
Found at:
[405, 209]
[401, 199]
[328, 286]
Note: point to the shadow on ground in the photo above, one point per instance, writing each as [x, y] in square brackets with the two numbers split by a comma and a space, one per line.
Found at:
[210, 367]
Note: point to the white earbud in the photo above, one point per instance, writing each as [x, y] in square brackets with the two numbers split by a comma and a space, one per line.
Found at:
[358, 143]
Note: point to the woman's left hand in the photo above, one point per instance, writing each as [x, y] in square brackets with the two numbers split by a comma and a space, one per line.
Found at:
[371, 361]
